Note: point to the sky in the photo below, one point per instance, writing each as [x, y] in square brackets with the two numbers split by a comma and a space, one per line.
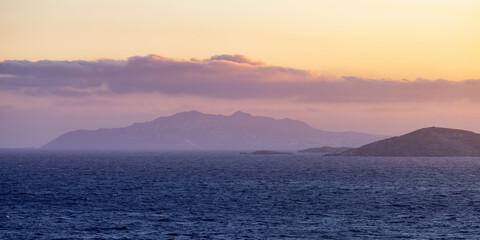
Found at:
[376, 66]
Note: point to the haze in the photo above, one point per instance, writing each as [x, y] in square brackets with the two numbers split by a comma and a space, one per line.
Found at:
[382, 67]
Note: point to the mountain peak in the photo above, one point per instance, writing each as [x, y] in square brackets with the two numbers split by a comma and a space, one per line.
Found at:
[191, 113]
[241, 114]
[443, 132]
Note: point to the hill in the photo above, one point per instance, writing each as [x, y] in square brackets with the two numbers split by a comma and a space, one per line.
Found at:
[427, 142]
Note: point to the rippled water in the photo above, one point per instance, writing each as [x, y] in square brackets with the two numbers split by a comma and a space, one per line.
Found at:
[215, 195]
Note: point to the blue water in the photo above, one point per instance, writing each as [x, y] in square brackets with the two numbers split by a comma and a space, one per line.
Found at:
[221, 195]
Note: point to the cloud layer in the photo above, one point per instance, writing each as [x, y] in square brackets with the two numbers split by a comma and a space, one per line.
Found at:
[221, 76]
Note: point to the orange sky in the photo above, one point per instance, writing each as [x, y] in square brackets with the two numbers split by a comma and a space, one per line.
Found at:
[371, 38]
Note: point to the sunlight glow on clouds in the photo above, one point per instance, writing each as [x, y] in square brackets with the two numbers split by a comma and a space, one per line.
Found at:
[223, 77]
[370, 38]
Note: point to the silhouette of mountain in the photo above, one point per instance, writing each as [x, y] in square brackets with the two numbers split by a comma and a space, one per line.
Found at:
[195, 130]
[428, 142]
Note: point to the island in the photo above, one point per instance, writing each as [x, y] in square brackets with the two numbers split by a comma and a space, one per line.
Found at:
[194, 130]
[325, 150]
[267, 152]
[425, 142]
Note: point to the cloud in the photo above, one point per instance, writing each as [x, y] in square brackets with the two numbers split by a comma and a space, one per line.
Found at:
[222, 77]
[236, 58]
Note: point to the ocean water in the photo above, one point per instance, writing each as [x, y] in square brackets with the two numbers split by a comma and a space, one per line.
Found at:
[225, 195]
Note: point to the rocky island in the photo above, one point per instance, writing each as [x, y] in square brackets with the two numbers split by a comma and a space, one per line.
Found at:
[267, 152]
[325, 150]
[425, 142]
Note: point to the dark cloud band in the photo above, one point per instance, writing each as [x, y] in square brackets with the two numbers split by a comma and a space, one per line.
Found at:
[221, 76]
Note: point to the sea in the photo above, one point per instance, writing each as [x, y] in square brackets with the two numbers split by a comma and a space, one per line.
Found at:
[227, 195]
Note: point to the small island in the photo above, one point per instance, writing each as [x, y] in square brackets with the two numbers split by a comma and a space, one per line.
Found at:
[325, 150]
[267, 152]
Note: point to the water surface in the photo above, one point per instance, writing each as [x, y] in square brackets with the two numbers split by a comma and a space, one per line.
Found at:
[225, 195]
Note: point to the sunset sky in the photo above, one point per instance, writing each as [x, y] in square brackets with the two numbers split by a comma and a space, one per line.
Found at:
[376, 66]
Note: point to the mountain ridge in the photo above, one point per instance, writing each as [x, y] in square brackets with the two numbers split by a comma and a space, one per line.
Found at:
[195, 130]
